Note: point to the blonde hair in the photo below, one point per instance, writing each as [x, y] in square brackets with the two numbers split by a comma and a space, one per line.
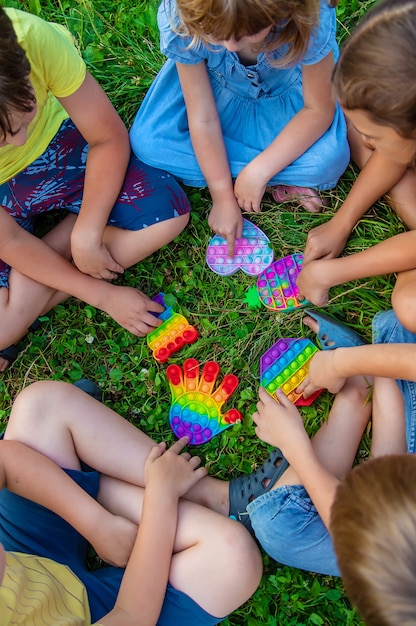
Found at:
[373, 524]
[376, 71]
[292, 22]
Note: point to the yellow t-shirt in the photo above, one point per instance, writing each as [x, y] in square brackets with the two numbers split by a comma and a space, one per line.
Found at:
[39, 592]
[56, 70]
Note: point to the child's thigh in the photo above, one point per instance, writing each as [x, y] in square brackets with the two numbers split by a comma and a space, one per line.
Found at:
[388, 329]
[290, 530]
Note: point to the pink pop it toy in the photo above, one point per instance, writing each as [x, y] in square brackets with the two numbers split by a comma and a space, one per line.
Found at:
[285, 365]
[170, 336]
[196, 406]
[252, 253]
[276, 286]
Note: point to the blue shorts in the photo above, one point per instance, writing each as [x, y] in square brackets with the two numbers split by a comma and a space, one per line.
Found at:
[29, 528]
[388, 329]
[285, 520]
[56, 181]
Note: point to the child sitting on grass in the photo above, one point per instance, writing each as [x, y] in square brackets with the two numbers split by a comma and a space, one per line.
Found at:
[375, 83]
[289, 505]
[63, 146]
[188, 565]
[244, 102]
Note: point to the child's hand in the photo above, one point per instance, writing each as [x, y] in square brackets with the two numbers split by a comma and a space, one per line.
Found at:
[322, 375]
[131, 308]
[227, 221]
[312, 283]
[326, 241]
[171, 471]
[278, 422]
[249, 188]
[93, 258]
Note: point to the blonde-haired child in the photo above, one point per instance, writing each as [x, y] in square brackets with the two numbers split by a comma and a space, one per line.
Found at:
[245, 102]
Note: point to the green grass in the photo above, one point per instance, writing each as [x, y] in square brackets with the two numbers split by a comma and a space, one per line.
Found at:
[119, 42]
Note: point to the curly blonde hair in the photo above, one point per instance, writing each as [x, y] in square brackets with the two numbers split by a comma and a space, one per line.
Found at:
[292, 22]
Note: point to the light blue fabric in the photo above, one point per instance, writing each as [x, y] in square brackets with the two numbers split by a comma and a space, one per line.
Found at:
[286, 522]
[254, 104]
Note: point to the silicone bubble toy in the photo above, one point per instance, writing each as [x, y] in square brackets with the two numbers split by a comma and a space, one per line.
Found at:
[196, 406]
[170, 336]
[252, 252]
[285, 365]
[277, 284]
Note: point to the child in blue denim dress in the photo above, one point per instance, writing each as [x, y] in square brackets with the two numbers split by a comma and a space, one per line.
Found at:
[244, 102]
[63, 146]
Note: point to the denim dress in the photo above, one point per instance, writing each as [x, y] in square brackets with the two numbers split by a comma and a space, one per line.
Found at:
[254, 103]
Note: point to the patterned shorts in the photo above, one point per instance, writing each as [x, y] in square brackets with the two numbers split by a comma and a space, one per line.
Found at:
[56, 181]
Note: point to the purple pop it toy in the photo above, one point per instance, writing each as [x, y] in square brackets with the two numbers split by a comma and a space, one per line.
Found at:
[285, 365]
[252, 253]
[276, 286]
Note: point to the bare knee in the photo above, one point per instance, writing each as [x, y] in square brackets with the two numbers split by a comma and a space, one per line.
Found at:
[39, 401]
[404, 305]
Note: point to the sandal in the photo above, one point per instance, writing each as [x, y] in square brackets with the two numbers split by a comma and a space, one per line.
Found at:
[89, 387]
[333, 334]
[308, 198]
[11, 353]
[248, 487]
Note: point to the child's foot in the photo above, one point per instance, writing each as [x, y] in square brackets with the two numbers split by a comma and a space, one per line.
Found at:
[308, 198]
[330, 332]
[9, 355]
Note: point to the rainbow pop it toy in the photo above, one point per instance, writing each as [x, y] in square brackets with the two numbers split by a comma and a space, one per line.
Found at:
[170, 336]
[277, 284]
[252, 253]
[285, 365]
[196, 406]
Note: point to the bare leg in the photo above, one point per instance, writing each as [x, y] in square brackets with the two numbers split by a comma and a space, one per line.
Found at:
[404, 300]
[63, 422]
[26, 299]
[388, 429]
[128, 247]
[401, 196]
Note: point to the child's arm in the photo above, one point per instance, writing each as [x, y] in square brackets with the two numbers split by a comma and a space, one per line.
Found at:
[306, 127]
[207, 140]
[377, 177]
[108, 157]
[32, 475]
[280, 424]
[168, 475]
[32, 257]
[329, 369]
[397, 254]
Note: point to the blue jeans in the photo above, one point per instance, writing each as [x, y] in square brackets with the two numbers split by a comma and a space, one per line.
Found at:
[286, 522]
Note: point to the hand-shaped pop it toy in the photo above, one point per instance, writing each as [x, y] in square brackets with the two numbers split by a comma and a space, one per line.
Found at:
[196, 406]
[277, 284]
[174, 333]
[252, 252]
[285, 366]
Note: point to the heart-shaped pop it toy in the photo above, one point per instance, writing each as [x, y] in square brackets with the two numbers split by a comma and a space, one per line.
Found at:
[252, 253]
[277, 284]
[285, 365]
[196, 405]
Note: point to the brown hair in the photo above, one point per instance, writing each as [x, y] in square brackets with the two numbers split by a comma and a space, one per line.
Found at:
[16, 92]
[373, 524]
[292, 22]
[376, 71]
